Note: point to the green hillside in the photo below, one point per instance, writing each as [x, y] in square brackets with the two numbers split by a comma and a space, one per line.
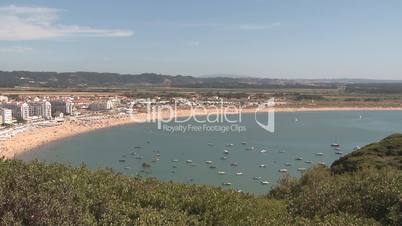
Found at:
[386, 153]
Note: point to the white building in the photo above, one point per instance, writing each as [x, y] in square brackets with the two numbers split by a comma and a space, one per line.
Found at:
[101, 105]
[3, 99]
[18, 109]
[40, 109]
[62, 106]
[6, 115]
[46, 110]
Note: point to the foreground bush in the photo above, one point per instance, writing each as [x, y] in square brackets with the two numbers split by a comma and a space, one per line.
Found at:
[39, 194]
[368, 193]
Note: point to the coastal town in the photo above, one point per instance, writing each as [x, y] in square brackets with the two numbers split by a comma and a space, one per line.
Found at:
[41, 119]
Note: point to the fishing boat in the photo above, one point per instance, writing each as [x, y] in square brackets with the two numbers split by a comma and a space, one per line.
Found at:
[335, 145]
[189, 161]
[283, 170]
[226, 183]
[239, 174]
[221, 172]
[208, 162]
[264, 182]
[263, 166]
[257, 178]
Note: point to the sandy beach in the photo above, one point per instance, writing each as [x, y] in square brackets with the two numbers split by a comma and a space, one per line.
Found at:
[36, 137]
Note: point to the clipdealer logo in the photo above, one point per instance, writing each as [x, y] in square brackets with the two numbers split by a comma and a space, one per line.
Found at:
[219, 118]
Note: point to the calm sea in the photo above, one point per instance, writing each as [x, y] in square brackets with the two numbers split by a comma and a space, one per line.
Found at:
[298, 137]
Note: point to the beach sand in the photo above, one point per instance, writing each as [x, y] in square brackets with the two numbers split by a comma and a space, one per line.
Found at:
[34, 138]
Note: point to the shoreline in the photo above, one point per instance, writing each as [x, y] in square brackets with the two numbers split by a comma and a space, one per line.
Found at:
[37, 137]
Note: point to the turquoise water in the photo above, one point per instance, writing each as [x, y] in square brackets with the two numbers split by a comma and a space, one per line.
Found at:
[301, 134]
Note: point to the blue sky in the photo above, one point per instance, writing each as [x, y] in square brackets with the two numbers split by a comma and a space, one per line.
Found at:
[279, 39]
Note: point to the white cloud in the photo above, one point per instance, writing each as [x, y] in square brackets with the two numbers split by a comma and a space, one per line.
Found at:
[257, 27]
[15, 49]
[193, 43]
[32, 23]
[233, 27]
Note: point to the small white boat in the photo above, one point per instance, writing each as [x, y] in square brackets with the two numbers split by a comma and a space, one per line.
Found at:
[210, 144]
[307, 161]
[335, 145]
[189, 161]
[301, 169]
[127, 167]
[283, 170]
[263, 166]
[224, 157]
[175, 160]
[221, 172]
[299, 158]
[257, 178]
[322, 163]
[229, 145]
[337, 149]
[239, 174]
[226, 183]
[139, 157]
[225, 152]
[319, 154]
[264, 182]
[288, 164]
[357, 148]
[263, 151]
[208, 162]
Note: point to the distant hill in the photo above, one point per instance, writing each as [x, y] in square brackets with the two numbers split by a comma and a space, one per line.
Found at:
[386, 153]
[93, 79]
[15, 79]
